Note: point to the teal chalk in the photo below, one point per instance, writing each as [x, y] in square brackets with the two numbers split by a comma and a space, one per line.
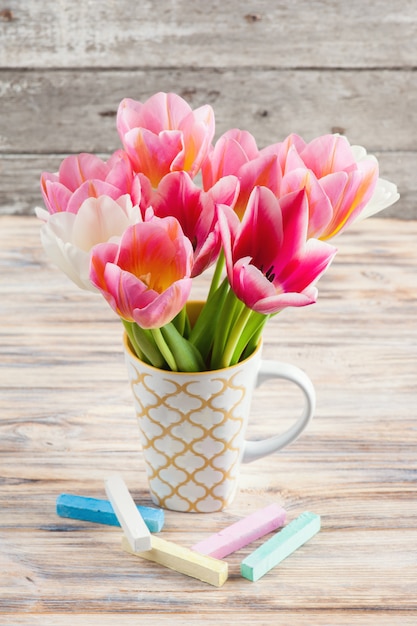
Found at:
[281, 545]
[101, 511]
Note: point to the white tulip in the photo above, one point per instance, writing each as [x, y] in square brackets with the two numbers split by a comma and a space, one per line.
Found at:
[69, 237]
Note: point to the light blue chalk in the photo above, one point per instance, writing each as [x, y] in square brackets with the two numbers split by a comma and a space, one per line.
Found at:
[101, 511]
[281, 545]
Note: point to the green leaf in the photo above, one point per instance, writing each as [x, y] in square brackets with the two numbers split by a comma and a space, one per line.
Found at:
[186, 355]
[133, 343]
[206, 326]
[143, 338]
[230, 312]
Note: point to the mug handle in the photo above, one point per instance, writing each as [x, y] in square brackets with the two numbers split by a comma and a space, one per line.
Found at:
[275, 369]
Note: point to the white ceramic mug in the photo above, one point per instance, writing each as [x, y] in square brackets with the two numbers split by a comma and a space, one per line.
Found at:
[192, 427]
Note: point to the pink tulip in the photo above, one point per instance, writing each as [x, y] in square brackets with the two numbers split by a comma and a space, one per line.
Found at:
[145, 278]
[270, 263]
[164, 134]
[178, 196]
[236, 153]
[85, 176]
[338, 186]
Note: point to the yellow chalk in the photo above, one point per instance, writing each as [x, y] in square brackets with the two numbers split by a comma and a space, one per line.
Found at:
[183, 560]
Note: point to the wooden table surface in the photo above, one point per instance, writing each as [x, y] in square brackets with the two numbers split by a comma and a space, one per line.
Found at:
[67, 423]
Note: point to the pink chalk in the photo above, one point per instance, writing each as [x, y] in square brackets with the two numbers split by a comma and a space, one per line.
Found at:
[241, 533]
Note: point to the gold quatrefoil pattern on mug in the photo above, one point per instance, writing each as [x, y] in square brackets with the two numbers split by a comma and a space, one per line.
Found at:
[192, 429]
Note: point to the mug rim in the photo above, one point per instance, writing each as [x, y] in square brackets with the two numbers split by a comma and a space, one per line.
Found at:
[130, 352]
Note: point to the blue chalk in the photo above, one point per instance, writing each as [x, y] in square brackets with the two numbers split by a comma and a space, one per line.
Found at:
[101, 511]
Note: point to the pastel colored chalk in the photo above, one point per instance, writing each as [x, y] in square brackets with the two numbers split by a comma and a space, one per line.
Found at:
[281, 545]
[183, 560]
[130, 519]
[243, 532]
[101, 511]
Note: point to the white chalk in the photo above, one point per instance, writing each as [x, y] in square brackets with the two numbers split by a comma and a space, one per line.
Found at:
[135, 529]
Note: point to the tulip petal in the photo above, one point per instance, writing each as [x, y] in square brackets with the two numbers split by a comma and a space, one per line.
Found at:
[319, 202]
[91, 189]
[269, 306]
[56, 236]
[76, 169]
[233, 149]
[263, 217]
[328, 153]
[245, 140]
[198, 130]
[152, 155]
[299, 273]
[163, 111]
[164, 307]
[55, 195]
[101, 219]
[357, 193]
[385, 194]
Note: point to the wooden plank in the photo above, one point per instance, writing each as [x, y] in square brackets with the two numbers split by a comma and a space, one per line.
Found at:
[262, 617]
[377, 109]
[316, 33]
[339, 617]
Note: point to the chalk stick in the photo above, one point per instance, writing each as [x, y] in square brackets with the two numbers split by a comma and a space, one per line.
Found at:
[241, 533]
[101, 511]
[130, 519]
[281, 545]
[183, 560]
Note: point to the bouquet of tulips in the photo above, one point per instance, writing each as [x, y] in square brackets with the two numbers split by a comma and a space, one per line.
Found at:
[138, 228]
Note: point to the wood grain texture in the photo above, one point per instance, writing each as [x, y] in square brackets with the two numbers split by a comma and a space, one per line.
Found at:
[181, 33]
[311, 68]
[62, 115]
[67, 422]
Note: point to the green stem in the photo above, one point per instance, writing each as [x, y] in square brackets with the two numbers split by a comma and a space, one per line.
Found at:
[250, 337]
[206, 326]
[164, 349]
[234, 337]
[230, 312]
[215, 281]
[180, 321]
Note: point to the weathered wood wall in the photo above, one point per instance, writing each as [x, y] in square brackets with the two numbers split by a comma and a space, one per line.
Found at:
[272, 67]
